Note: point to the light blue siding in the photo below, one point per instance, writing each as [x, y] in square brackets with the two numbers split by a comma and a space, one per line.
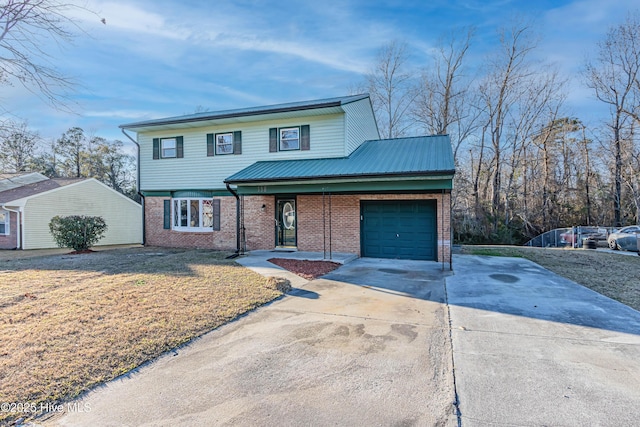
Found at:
[197, 171]
[360, 124]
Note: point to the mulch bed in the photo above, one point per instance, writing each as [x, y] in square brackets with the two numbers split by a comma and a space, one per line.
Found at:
[304, 268]
[84, 251]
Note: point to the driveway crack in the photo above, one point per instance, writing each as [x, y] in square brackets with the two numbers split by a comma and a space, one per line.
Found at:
[456, 400]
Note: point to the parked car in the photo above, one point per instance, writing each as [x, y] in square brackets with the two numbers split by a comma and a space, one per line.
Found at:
[625, 238]
[574, 236]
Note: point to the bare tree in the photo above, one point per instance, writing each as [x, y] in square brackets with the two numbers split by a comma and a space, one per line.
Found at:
[443, 104]
[503, 87]
[391, 89]
[72, 148]
[18, 146]
[25, 28]
[613, 75]
[108, 163]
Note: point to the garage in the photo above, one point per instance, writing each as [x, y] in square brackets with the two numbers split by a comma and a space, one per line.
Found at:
[399, 229]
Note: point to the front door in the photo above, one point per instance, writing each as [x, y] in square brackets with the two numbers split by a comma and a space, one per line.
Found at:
[286, 222]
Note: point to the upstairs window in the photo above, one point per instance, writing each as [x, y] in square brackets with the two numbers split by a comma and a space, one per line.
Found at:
[289, 139]
[168, 148]
[219, 144]
[224, 143]
[4, 223]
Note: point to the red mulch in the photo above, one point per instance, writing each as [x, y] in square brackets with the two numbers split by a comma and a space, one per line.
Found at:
[304, 268]
[86, 251]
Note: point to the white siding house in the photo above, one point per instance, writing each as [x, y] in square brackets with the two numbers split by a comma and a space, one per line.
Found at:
[37, 205]
[307, 175]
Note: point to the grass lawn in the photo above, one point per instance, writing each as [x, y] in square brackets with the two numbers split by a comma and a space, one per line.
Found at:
[614, 275]
[70, 322]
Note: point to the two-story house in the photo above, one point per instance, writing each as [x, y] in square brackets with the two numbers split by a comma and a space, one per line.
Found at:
[310, 176]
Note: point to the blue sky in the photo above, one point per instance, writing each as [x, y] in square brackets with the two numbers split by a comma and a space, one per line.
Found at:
[160, 58]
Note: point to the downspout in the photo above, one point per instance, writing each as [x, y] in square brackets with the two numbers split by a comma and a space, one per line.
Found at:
[235, 194]
[18, 219]
[442, 226]
[144, 231]
[450, 231]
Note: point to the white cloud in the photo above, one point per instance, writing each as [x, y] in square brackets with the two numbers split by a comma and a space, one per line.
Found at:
[242, 29]
[309, 51]
[122, 114]
[131, 18]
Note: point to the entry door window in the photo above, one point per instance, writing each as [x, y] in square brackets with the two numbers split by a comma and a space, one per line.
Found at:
[286, 223]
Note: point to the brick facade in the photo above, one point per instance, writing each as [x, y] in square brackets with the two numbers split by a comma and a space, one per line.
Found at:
[259, 223]
[156, 235]
[338, 231]
[10, 241]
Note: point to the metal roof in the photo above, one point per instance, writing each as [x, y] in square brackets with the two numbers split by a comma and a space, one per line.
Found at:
[415, 156]
[327, 103]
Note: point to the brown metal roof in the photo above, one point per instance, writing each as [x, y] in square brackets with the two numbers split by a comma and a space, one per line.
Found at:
[36, 188]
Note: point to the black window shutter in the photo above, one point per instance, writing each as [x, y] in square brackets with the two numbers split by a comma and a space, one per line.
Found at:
[273, 140]
[237, 142]
[179, 147]
[167, 214]
[211, 148]
[305, 143]
[156, 148]
[216, 214]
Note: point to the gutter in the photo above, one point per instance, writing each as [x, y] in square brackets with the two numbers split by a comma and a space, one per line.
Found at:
[447, 174]
[19, 237]
[144, 231]
[248, 112]
[235, 194]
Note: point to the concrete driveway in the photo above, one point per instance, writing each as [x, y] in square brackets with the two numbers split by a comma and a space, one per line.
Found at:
[366, 345]
[534, 349]
[370, 344]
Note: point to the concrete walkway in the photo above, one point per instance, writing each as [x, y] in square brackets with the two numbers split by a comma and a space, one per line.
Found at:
[532, 348]
[366, 345]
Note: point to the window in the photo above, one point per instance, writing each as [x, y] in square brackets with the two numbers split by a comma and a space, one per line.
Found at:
[168, 147]
[196, 214]
[224, 143]
[289, 139]
[4, 222]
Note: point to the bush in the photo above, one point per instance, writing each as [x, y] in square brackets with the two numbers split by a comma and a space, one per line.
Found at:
[77, 231]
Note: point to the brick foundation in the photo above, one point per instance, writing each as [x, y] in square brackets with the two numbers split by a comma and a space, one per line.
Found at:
[340, 232]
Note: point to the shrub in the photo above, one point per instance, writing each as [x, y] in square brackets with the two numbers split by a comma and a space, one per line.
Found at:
[77, 231]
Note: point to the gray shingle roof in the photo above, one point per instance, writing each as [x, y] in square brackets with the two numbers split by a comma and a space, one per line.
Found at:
[425, 155]
[36, 188]
[15, 180]
[252, 111]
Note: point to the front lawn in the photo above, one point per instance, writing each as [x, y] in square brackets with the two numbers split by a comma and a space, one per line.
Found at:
[70, 322]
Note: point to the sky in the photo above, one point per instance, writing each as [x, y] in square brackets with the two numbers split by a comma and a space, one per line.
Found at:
[163, 58]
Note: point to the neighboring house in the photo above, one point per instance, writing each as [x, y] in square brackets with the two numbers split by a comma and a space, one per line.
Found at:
[14, 180]
[26, 210]
[310, 176]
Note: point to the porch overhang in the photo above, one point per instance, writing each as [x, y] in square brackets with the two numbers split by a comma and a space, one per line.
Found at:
[416, 164]
[382, 184]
